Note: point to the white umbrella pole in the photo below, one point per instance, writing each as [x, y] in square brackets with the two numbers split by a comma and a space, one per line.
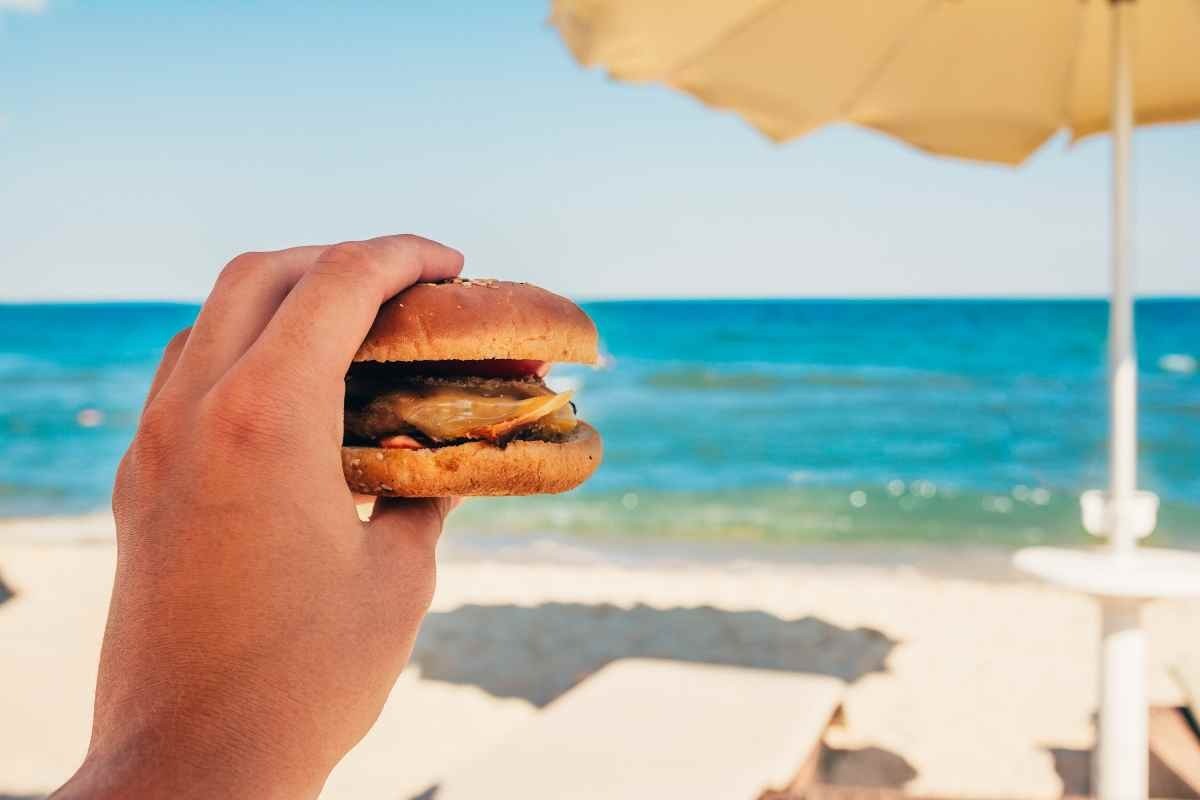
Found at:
[1122, 359]
[1121, 768]
[1121, 576]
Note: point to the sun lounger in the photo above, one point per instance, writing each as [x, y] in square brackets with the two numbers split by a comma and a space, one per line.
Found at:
[1175, 738]
[651, 728]
[1186, 674]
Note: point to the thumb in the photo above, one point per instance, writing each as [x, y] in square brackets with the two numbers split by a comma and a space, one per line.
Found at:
[414, 521]
[402, 538]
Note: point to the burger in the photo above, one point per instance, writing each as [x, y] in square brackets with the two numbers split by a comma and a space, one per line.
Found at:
[446, 395]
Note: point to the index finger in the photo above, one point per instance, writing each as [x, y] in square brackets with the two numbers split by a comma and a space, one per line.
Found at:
[320, 325]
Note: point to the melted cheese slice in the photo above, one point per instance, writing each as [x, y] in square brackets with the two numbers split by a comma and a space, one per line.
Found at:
[454, 413]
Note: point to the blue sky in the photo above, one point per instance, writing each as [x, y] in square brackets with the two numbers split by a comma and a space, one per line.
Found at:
[142, 144]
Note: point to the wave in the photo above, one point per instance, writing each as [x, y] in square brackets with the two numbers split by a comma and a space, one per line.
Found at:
[915, 512]
[20, 365]
[1180, 363]
[711, 380]
[743, 379]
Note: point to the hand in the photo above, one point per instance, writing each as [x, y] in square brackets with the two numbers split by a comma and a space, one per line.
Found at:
[256, 625]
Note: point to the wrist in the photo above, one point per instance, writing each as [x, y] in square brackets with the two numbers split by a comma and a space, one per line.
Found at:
[150, 765]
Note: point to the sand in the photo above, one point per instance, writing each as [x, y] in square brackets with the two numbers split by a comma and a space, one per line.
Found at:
[962, 679]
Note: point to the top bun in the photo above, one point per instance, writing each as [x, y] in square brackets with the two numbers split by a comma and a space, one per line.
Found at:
[469, 320]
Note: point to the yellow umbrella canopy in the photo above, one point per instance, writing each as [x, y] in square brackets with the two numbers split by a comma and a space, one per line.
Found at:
[980, 79]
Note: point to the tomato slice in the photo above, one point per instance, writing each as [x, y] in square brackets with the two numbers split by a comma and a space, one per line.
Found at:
[400, 442]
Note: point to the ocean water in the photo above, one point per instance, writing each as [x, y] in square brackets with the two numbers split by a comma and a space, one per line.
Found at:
[788, 420]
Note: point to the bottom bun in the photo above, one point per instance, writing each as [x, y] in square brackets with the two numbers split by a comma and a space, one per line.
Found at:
[475, 468]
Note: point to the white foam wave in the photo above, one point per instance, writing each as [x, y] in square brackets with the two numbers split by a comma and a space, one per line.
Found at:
[1180, 363]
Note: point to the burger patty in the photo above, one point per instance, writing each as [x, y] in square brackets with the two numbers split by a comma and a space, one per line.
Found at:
[432, 411]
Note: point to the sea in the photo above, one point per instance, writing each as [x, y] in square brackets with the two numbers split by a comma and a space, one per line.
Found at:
[943, 421]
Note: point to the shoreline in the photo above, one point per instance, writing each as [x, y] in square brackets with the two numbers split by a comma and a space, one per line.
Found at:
[953, 560]
[961, 560]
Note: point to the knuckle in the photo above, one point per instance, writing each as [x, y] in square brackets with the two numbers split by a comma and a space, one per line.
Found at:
[227, 430]
[406, 241]
[349, 256]
[177, 343]
[158, 421]
[241, 266]
[404, 247]
[121, 484]
[359, 264]
[135, 474]
[234, 415]
[234, 397]
[122, 473]
[153, 444]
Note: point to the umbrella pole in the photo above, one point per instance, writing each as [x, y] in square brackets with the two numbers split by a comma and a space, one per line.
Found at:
[1122, 359]
[1121, 770]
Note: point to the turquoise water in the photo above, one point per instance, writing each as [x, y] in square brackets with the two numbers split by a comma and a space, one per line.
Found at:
[779, 420]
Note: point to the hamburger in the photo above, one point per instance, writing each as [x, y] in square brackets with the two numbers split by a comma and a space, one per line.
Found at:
[446, 395]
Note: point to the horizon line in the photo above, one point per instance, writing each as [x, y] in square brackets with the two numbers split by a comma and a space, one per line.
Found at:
[606, 298]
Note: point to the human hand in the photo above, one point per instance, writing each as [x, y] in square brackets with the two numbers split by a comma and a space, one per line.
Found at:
[256, 625]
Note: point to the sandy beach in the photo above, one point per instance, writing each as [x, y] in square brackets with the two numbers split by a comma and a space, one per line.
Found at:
[963, 680]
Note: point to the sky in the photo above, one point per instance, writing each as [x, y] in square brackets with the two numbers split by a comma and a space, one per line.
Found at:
[144, 144]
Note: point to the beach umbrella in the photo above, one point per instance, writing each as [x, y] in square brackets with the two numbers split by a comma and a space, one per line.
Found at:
[989, 80]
